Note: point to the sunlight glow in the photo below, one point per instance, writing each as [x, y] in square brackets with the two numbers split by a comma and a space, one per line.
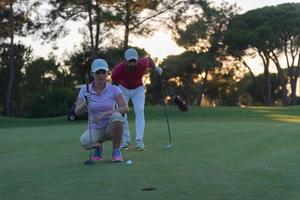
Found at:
[176, 80]
[160, 45]
[285, 118]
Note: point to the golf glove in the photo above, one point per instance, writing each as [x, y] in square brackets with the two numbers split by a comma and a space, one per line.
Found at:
[87, 97]
[158, 70]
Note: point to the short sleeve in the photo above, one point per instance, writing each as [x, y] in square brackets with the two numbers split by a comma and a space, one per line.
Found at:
[116, 91]
[82, 91]
[145, 62]
[116, 72]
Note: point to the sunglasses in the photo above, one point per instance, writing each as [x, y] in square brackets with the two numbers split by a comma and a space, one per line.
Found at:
[101, 71]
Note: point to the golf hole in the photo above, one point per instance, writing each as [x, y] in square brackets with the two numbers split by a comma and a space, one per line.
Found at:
[149, 189]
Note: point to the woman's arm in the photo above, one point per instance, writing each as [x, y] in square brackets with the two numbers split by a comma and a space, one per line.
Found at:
[122, 108]
[80, 107]
[122, 105]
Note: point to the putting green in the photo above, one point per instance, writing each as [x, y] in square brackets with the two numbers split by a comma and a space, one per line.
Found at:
[218, 153]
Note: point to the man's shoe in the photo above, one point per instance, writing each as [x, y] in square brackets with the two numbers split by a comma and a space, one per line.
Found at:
[140, 145]
[125, 145]
[116, 156]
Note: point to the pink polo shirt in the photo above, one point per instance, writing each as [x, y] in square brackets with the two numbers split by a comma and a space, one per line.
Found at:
[101, 102]
[131, 80]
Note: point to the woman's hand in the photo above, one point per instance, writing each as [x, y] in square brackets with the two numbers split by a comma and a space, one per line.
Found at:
[80, 107]
[98, 118]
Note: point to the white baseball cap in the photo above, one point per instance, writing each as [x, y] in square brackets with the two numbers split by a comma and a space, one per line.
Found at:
[99, 64]
[131, 54]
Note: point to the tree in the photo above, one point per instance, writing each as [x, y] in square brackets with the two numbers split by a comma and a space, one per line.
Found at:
[22, 56]
[202, 33]
[286, 26]
[104, 19]
[15, 20]
[249, 88]
[96, 14]
[41, 86]
[136, 15]
[272, 32]
[181, 73]
[79, 61]
[52, 89]
[244, 32]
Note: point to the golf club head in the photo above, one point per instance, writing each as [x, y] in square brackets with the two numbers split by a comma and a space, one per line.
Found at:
[169, 146]
[88, 162]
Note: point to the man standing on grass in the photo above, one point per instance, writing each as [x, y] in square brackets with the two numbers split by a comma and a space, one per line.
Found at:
[128, 75]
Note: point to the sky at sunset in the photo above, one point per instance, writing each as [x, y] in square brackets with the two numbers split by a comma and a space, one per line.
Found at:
[160, 45]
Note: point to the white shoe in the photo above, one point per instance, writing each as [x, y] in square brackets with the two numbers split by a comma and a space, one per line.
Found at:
[140, 145]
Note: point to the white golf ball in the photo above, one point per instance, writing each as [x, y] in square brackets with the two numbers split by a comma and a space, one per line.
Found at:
[128, 162]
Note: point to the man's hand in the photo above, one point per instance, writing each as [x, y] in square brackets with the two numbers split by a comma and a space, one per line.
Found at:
[87, 98]
[158, 70]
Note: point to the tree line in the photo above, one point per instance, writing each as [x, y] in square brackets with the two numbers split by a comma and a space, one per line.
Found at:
[212, 68]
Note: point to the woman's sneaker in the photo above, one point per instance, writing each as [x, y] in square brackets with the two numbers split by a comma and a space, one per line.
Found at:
[116, 156]
[140, 145]
[97, 154]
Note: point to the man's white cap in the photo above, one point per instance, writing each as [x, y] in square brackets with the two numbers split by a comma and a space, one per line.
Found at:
[99, 64]
[131, 54]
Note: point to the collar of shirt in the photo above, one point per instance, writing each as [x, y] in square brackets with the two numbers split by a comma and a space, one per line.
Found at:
[92, 90]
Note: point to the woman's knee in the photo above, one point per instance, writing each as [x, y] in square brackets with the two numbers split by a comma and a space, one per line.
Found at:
[116, 117]
[118, 124]
[84, 142]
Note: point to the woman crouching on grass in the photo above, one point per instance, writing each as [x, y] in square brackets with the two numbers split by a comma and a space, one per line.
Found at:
[106, 121]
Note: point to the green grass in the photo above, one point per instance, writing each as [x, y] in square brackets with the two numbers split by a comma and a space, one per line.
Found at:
[218, 153]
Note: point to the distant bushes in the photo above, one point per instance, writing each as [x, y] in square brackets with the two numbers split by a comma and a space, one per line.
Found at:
[50, 104]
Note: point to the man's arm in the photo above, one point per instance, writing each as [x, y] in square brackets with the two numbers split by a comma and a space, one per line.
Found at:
[156, 69]
[115, 75]
[151, 63]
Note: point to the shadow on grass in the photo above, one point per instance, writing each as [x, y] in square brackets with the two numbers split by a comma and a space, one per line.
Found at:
[10, 122]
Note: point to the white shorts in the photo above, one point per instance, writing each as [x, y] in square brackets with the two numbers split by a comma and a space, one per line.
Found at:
[100, 135]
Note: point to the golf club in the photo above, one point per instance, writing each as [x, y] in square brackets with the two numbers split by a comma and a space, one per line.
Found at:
[89, 161]
[168, 146]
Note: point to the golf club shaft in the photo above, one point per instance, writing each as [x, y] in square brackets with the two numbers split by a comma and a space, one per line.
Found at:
[88, 114]
[90, 133]
[165, 109]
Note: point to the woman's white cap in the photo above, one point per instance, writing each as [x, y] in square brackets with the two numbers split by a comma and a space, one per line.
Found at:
[99, 64]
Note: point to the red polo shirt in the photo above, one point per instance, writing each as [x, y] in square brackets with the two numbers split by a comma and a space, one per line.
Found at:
[131, 80]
